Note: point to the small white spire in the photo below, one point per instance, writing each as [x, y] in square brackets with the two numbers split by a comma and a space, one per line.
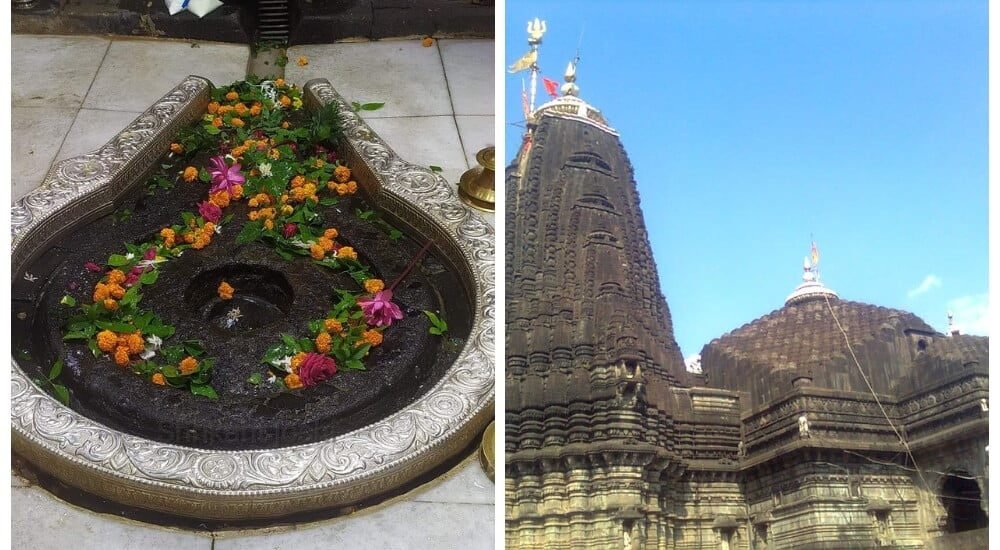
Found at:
[810, 287]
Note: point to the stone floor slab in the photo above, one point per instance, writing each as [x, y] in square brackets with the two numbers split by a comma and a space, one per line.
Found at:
[92, 129]
[468, 65]
[477, 133]
[54, 71]
[41, 522]
[404, 75]
[466, 484]
[401, 526]
[136, 73]
[425, 141]
[37, 135]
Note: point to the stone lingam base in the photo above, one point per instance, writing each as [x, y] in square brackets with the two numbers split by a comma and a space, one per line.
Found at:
[256, 452]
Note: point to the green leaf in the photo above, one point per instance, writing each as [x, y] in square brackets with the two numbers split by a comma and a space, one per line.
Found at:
[76, 335]
[435, 331]
[329, 201]
[395, 234]
[211, 130]
[62, 394]
[290, 341]
[251, 232]
[171, 371]
[305, 344]
[434, 168]
[354, 364]
[255, 378]
[56, 370]
[316, 326]
[117, 260]
[193, 348]
[360, 352]
[149, 277]
[68, 300]
[131, 297]
[204, 390]
[372, 106]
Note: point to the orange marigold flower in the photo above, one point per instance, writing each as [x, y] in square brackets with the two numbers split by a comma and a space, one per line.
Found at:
[283, 199]
[279, 82]
[323, 342]
[327, 244]
[269, 224]
[236, 122]
[274, 154]
[188, 365]
[209, 227]
[101, 292]
[136, 343]
[176, 148]
[217, 122]
[189, 237]
[159, 379]
[298, 181]
[236, 191]
[427, 42]
[121, 356]
[342, 173]
[115, 276]
[352, 187]
[232, 96]
[309, 188]
[317, 252]
[253, 215]
[372, 337]
[331, 185]
[116, 291]
[190, 174]
[347, 253]
[239, 150]
[220, 199]
[226, 291]
[169, 236]
[253, 202]
[374, 285]
[263, 198]
[225, 109]
[268, 213]
[106, 341]
[213, 107]
[331, 233]
[297, 360]
[287, 210]
[303, 61]
[293, 382]
[285, 125]
[319, 163]
[285, 101]
[255, 110]
[333, 325]
[201, 242]
[240, 109]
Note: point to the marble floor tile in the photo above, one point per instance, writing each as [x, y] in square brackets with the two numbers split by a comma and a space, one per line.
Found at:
[54, 71]
[404, 75]
[136, 73]
[37, 134]
[468, 64]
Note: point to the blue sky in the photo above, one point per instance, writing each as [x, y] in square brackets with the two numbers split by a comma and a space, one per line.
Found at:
[753, 125]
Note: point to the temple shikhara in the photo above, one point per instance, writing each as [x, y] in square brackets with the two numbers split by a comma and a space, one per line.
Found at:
[826, 423]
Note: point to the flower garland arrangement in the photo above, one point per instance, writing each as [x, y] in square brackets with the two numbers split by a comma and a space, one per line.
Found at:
[280, 161]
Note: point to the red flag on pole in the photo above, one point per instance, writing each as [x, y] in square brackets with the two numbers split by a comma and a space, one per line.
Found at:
[551, 86]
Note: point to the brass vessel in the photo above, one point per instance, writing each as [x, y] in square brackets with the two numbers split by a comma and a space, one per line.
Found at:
[477, 187]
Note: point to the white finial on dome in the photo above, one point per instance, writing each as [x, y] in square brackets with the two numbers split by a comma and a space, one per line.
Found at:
[810, 287]
[570, 87]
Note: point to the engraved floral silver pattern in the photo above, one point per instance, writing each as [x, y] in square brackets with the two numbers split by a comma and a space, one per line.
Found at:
[258, 483]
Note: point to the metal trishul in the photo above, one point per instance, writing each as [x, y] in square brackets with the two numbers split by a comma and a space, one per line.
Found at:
[536, 29]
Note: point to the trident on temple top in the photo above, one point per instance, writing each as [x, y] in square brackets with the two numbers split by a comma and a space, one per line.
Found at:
[536, 29]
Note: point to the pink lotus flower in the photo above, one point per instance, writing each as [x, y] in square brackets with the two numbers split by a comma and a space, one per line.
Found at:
[316, 368]
[210, 211]
[92, 267]
[224, 177]
[379, 310]
[290, 230]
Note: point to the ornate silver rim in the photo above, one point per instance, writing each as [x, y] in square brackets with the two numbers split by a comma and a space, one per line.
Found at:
[259, 483]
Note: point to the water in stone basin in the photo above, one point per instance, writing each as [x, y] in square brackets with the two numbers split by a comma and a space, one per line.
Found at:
[274, 296]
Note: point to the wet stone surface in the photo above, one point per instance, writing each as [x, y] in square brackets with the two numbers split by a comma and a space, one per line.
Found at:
[273, 296]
